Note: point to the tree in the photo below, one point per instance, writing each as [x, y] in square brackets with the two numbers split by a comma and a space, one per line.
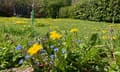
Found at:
[6, 7]
[51, 7]
[22, 8]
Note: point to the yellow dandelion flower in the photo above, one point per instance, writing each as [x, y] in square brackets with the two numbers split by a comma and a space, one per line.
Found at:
[53, 32]
[20, 22]
[74, 30]
[104, 37]
[104, 31]
[114, 37]
[54, 35]
[34, 49]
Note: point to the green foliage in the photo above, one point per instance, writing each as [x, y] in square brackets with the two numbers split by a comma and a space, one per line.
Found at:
[51, 8]
[95, 10]
[82, 51]
[22, 8]
[98, 10]
[64, 12]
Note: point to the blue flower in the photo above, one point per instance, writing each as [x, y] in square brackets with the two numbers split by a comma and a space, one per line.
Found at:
[56, 50]
[51, 46]
[79, 41]
[19, 47]
[42, 51]
[51, 62]
[52, 56]
[21, 61]
[27, 56]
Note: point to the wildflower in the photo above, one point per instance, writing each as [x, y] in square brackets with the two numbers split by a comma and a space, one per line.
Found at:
[51, 62]
[74, 30]
[51, 46]
[104, 37]
[79, 41]
[19, 47]
[21, 61]
[52, 56]
[34, 49]
[56, 50]
[20, 22]
[104, 31]
[42, 51]
[27, 56]
[114, 37]
[41, 65]
[53, 32]
[54, 35]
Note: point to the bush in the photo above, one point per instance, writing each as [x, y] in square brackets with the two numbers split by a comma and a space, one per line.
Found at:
[97, 10]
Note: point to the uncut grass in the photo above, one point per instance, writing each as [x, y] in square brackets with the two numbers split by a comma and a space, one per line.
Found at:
[25, 32]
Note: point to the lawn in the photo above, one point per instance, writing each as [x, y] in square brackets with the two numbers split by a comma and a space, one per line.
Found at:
[20, 31]
[17, 26]
[44, 25]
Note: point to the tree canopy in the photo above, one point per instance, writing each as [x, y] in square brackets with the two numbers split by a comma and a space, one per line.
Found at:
[96, 10]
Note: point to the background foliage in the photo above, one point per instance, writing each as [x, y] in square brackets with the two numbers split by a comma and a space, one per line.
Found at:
[95, 10]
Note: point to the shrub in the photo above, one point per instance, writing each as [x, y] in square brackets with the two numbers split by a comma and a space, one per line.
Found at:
[97, 10]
